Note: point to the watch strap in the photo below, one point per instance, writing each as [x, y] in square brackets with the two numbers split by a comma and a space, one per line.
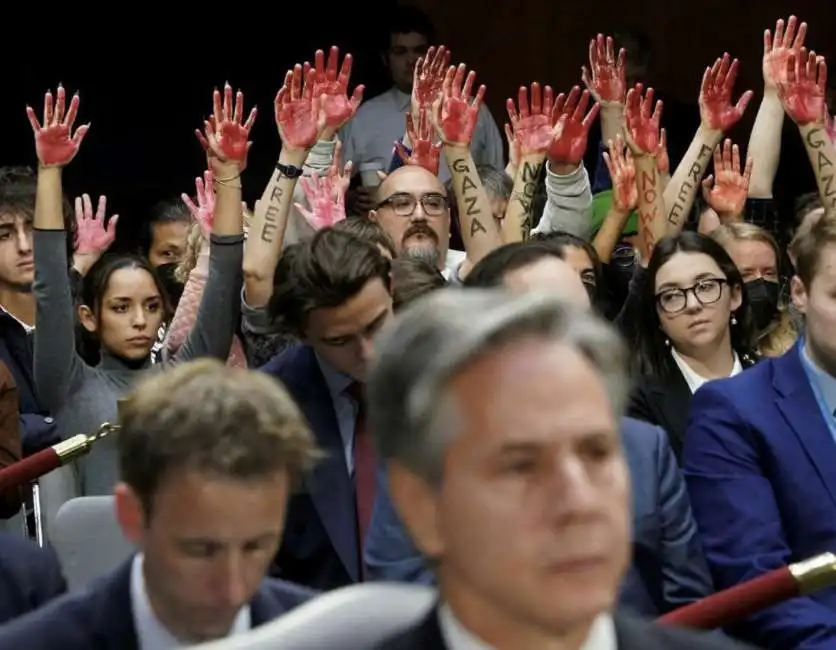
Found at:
[289, 171]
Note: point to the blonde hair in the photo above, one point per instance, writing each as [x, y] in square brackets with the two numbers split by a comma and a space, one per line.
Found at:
[194, 243]
[781, 333]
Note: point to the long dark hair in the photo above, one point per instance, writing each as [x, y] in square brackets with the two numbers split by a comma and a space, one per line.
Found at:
[650, 351]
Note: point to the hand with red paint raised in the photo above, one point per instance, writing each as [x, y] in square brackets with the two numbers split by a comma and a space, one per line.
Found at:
[663, 161]
[571, 122]
[55, 143]
[730, 187]
[339, 174]
[300, 117]
[426, 152]
[642, 122]
[204, 211]
[332, 88]
[455, 113]
[514, 152]
[532, 126]
[607, 81]
[327, 202]
[94, 232]
[225, 135]
[625, 192]
[716, 110]
[428, 79]
[803, 94]
[777, 50]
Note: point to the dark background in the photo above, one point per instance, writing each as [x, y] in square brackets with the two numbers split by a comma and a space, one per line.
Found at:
[146, 78]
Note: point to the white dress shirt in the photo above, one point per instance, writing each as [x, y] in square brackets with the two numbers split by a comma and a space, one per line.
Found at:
[696, 381]
[456, 637]
[150, 633]
[379, 122]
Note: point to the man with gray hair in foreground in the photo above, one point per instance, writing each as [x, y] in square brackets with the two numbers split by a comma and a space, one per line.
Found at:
[497, 416]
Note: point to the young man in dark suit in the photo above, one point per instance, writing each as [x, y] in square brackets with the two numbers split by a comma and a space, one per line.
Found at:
[497, 416]
[334, 294]
[208, 456]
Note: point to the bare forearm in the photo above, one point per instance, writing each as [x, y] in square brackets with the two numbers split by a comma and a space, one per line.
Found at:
[517, 223]
[609, 234]
[228, 215]
[682, 190]
[612, 119]
[765, 145]
[652, 224]
[822, 154]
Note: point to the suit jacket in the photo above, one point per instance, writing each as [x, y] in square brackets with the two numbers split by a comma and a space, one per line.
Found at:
[29, 577]
[631, 634]
[319, 547]
[100, 617]
[665, 401]
[668, 568]
[760, 464]
[10, 449]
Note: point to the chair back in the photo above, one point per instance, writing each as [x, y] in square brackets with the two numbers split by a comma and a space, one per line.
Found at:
[357, 617]
[88, 540]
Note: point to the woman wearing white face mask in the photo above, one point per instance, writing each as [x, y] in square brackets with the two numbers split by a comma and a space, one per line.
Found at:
[694, 326]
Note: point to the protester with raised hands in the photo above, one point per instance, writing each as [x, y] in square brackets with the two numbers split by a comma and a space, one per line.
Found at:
[123, 302]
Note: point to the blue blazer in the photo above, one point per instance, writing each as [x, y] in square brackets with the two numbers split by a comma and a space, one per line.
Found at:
[100, 616]
[760, 464]
[319, 548]
[668, 568]
[29, 576]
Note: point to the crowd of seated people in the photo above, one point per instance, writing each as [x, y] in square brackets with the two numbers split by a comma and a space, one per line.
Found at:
[566, 405]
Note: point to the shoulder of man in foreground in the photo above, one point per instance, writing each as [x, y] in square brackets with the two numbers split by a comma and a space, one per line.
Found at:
[288, 594]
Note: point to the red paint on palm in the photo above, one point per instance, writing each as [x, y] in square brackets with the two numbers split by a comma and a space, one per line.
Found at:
[803, 94]
[457, 111]
[299, 114]
[623, 174]
[777, 50]
[93, 237]
[573, 122]
[426, 152]
[55, 143]
[730, 185]
[204, 210]
[428, 77]
[332, 86]
[532, 125]
[716, 109]
[606, 77]
[642, 121]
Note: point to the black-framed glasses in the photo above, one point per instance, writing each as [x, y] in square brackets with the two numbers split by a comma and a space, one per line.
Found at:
[403, 204]
[706, 292]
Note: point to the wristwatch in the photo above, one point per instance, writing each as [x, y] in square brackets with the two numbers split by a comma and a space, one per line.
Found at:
[289, 171]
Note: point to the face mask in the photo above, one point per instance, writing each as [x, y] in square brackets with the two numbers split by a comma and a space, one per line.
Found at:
[763, 298]
[173, 288]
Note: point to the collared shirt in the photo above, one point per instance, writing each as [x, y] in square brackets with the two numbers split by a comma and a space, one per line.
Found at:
[456, 637]
[451, 265]
[379, 122]
[26, 328]
[823, 385]
[345, 408]
[151, 634]
[696, 381]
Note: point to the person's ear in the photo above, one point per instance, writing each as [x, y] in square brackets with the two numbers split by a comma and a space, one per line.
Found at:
[798, 294]
[736, 298]
[373, 216]
[87, 318]
[417, 504]
[130, 513]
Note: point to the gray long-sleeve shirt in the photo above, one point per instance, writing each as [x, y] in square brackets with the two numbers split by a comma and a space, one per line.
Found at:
[82, 397]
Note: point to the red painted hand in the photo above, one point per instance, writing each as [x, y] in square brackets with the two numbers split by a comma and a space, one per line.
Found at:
[454, 114]
[204, 211]
[642, 125]
[625, 192]
[532, 126]
[426, 152]
[514, 151]
[224, 135]
[607, 81]
[663, 161]
[716, 110]
[428, 78]
[339, 174]
[327, 205]
[55, 143]
[777, 50]
[299, 114]
[571, 127]
[803, 94]
[92, 236]
[332, 87]
[731, 187]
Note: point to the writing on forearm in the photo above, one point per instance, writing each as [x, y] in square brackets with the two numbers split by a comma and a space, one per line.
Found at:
[271, 216]
[818, 145]
[525, 195]
[648, 206]
[688, 188]
[469, 196]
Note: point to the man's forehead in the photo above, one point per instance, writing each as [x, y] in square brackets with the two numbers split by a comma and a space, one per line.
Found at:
[11, 218]
[411, 180]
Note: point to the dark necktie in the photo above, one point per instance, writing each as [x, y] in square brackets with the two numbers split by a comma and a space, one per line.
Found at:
[364, 467]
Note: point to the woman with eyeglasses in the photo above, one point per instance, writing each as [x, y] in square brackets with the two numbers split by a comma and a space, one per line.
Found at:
[694, 327]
